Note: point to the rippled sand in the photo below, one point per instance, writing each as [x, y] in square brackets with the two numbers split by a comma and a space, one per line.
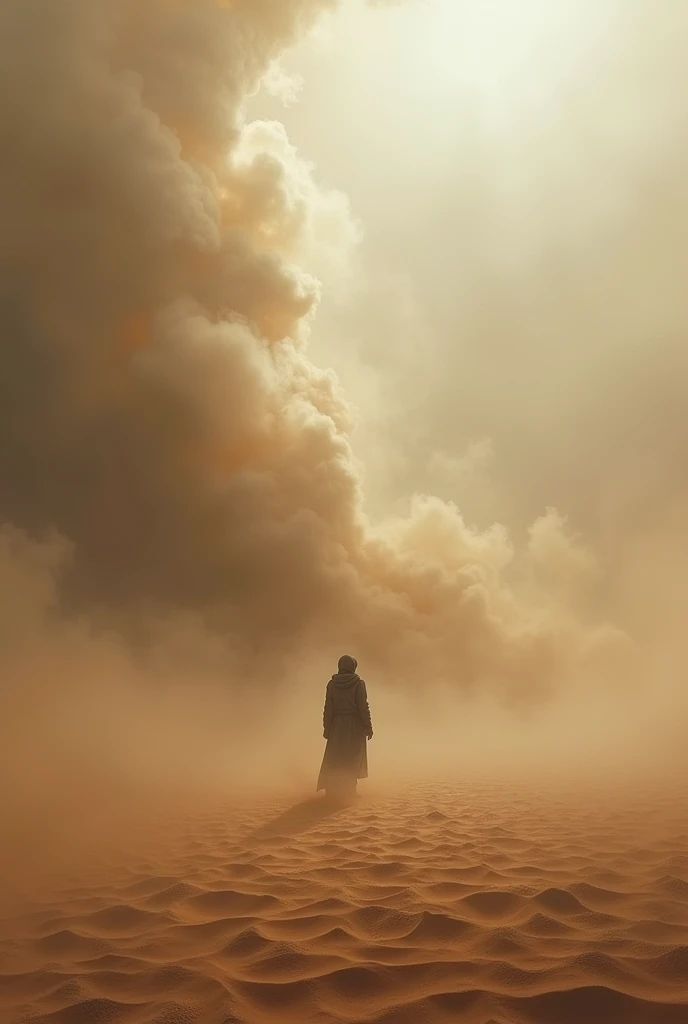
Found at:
[441, 903]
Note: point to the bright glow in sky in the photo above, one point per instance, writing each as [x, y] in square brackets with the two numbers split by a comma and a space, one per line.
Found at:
[514, 56]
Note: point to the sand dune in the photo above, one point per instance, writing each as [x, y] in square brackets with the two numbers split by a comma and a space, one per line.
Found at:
[461, 902]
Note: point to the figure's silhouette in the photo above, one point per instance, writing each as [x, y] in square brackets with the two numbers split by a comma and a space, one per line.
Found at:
[346, 727]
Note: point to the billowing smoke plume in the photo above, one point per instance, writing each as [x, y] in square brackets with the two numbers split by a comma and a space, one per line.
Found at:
[159, 415]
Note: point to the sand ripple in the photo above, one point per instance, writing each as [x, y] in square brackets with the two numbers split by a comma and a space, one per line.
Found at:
[455, 903]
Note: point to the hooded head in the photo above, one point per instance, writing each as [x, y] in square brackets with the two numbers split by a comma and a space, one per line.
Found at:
[346, 665]
[346, 671]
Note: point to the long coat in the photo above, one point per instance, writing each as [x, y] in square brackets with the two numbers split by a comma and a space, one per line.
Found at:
[346, 726]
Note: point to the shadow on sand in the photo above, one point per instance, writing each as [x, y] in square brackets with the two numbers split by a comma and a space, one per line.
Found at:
[301, 817]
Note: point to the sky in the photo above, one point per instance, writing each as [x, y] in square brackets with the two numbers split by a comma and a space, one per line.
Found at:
[513, 339]
[341, 327]
[506, 199]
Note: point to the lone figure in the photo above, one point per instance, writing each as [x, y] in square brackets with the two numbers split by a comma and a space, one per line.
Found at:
[346, 727]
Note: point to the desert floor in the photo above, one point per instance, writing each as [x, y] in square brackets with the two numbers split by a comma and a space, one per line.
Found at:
[429, 903]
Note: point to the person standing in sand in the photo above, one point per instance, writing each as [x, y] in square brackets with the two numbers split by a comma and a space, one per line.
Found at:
[346, 726]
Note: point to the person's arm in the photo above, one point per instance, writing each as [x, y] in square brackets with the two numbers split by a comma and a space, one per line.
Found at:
[364, 708]
[328, 713]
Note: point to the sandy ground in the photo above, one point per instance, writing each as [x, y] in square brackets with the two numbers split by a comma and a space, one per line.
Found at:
[434, 903]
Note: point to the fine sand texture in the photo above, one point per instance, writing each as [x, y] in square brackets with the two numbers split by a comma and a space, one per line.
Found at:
[429, 904]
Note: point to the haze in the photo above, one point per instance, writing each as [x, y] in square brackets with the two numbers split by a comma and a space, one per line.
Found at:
[336, 328]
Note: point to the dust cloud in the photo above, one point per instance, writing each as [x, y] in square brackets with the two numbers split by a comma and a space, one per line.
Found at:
[187, 546]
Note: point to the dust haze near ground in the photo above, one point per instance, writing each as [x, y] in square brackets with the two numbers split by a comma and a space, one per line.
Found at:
[187, 543]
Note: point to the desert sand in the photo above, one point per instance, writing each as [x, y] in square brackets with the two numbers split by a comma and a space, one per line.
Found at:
[430, 903]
